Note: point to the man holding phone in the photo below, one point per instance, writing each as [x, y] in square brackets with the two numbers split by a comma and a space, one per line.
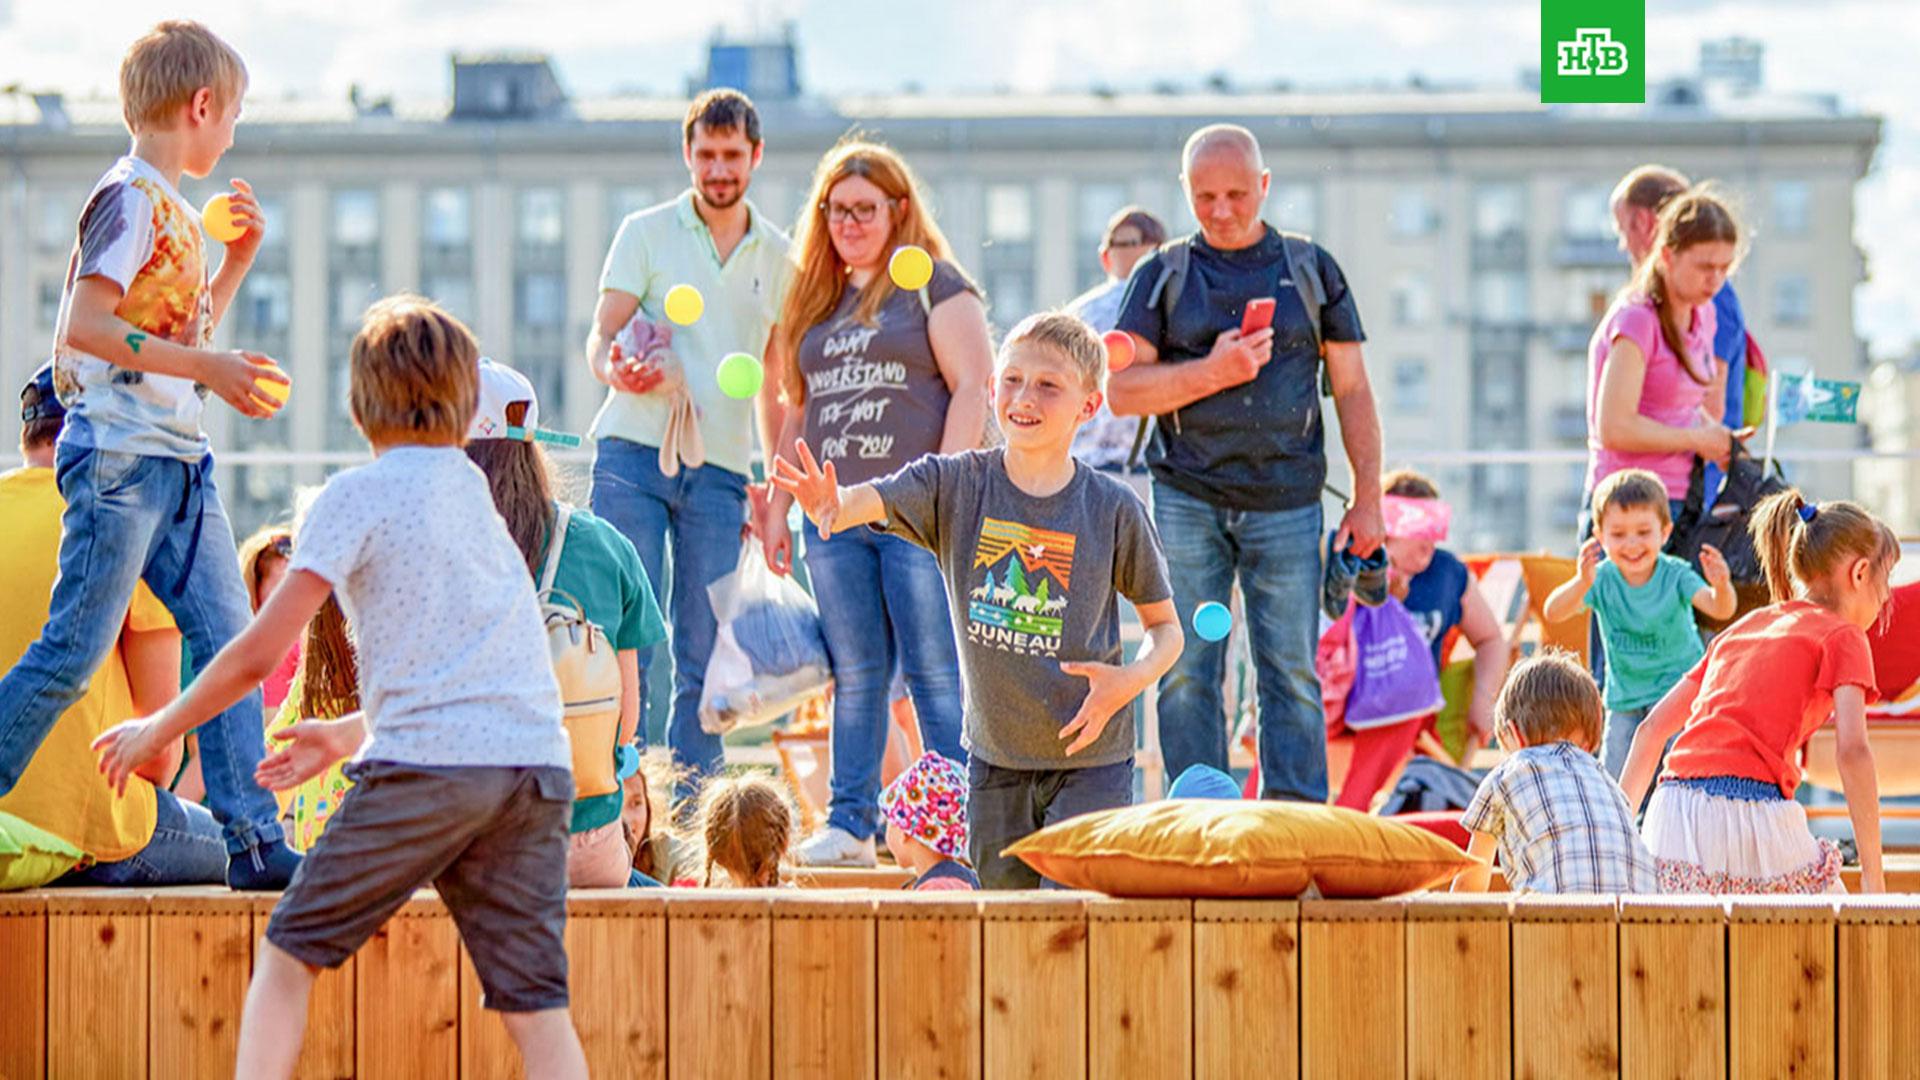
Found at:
[1228, 357]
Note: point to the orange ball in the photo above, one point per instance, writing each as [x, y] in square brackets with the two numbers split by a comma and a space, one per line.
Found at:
[1119, 345]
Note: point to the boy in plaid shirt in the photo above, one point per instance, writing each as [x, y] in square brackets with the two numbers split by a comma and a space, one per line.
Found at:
[1558, 821]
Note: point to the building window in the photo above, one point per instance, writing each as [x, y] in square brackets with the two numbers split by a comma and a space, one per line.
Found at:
[1586, 213]
[1294, 205]
[266, 303]
[1792, 207]
[49, 306]
[1792, 300]
[1411, 387]
[1412, 300]
[1500, 297]
[623, 201]
[447, 217]
[1098, 204]
[540, 300]
[1414, 214]
[279, 223]
[356, 218]
[1588, 295]
[453, 292]
[543, 217]
[1499, 211]
[1010, 292]
[352, 295]
[1009, 213]
[59, 220]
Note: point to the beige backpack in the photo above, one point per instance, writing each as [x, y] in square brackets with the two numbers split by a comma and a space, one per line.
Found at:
[588, 672]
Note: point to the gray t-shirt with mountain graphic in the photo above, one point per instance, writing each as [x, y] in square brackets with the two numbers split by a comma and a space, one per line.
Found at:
[1033, 582]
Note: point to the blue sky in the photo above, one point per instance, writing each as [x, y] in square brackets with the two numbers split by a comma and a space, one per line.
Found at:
[1862, 50]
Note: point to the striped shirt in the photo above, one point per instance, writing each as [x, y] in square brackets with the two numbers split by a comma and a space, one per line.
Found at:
[1562, 824]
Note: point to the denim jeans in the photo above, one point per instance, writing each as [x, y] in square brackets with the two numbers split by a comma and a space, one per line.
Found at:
[185, 850]
[1005, 805]
[1276, 556]
[698, 512]
[130, 517]
[881, 599]
[1618, 738]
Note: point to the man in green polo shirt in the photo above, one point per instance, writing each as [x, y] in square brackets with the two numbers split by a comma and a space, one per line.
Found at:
[711, 238]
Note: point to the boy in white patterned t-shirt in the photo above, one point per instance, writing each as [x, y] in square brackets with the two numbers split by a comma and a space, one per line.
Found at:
[463, 772]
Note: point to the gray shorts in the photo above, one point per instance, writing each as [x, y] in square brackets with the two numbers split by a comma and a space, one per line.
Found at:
[493, 841]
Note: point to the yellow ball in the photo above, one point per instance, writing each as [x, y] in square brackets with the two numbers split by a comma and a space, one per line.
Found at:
[217, 219]
[910, 267]
[279, 392]
[684, 304]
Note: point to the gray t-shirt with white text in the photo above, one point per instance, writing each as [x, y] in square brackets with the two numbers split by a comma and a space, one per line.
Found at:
[1033, 582]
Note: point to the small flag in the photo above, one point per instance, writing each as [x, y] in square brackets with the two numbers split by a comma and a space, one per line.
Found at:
[1830, 401]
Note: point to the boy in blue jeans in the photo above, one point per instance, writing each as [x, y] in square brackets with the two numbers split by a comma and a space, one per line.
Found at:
[1037, 552]
[132, 367]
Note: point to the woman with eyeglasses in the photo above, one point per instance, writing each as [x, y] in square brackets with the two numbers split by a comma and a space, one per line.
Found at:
[875, 376]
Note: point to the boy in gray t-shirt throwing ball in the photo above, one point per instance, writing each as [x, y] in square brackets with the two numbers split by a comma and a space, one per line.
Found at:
[1037, 551]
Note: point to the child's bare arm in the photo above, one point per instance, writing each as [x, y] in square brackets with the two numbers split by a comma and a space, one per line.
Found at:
[1717, 600]
[1476, 878]
[828, 505]
[241, 667]
[1659, 726]
[629, 660]
[1859, 782]
[94, 328]
[240, 252]
[1111, 687]
[1571, 597]
[152, 658]
[304, 750]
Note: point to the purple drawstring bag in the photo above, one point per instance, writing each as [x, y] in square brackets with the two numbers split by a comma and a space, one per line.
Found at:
[1393, 680]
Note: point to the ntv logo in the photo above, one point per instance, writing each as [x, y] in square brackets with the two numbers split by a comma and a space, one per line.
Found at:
[1592, 52]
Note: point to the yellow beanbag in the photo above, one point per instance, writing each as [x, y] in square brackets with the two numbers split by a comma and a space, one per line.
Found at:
[1220, 848]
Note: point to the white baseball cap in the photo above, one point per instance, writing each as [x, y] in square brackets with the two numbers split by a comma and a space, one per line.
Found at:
[501, 386]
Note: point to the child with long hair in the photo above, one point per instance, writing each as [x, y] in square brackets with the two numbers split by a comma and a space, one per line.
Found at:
[263, 563]
[597, 567]
[748, 827]
[659, 855]
[1723, 819]
[325, 687]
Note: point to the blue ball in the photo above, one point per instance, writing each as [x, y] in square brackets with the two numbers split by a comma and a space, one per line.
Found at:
[1212, 621]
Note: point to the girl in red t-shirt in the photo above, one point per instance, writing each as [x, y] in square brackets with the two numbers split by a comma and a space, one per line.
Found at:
[1723, 819]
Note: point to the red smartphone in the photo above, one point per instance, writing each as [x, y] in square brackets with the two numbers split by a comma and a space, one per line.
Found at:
[1258, 316]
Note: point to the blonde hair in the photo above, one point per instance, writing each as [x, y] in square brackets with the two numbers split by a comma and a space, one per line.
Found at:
[1549, 697]
[1628, 489]
[1694, 216]
[819, 276]
[748, 825]
[264, 545]
[415, 373]
[172, 62]
[1798, 540]
[329, 672]
[1067, 336]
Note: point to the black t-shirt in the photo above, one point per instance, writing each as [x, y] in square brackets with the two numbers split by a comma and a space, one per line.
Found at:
[1260, 445]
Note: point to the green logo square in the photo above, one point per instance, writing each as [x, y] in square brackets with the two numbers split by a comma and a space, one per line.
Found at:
[1593, 50]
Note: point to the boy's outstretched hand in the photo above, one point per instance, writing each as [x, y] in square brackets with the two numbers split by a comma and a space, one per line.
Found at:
[1109, 689]
[305, 750]
[817, 490]
[1713, 566]
[124, 747]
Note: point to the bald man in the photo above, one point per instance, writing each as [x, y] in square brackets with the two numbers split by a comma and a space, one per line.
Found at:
[1238, 458]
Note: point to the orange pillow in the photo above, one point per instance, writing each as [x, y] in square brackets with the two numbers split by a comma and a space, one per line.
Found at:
[1218, 848]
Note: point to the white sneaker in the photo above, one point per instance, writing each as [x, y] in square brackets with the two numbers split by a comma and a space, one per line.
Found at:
[834, 847]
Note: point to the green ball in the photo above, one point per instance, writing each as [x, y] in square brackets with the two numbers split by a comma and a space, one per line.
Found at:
[739, 375]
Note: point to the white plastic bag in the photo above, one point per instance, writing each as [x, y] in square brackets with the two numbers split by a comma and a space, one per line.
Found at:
[768, 656]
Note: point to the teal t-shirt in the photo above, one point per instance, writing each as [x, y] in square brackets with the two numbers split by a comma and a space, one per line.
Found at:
[1649, 631]
[600, 569]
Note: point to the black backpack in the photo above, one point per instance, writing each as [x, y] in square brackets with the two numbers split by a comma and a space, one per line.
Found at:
[1303, 267]
[1724, 524]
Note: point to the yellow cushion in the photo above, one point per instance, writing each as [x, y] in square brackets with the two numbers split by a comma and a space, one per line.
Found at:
[1208, 848]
